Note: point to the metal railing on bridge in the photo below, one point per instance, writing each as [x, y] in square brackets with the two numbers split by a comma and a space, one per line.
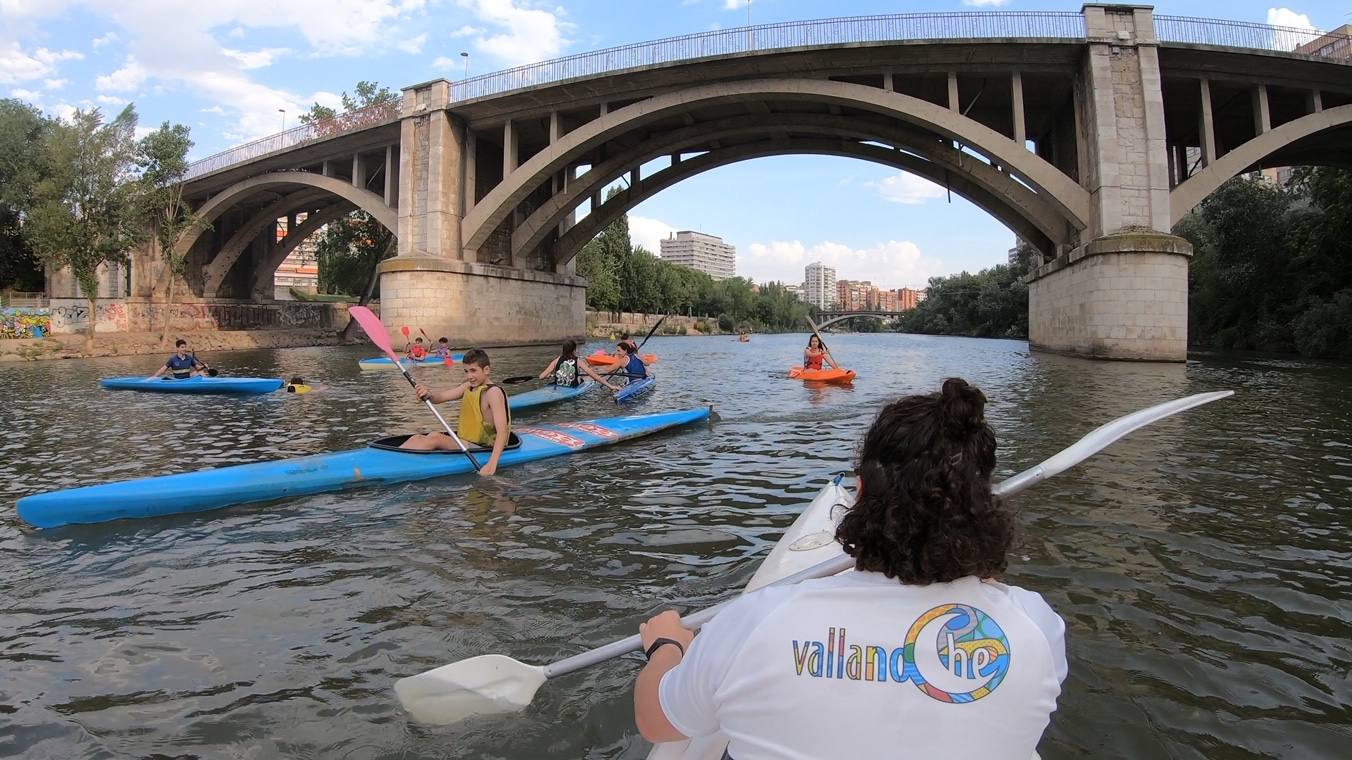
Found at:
[1059, 25]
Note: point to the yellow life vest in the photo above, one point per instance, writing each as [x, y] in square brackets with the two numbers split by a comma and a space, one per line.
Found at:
[473, 428]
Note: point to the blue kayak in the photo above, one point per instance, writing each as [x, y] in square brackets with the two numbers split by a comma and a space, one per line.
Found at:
[549, 394]
[634, 388]
[379, 463]
[383, 362]
[197, 384]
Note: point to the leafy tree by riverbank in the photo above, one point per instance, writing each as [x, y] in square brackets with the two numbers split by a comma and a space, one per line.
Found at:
[22, 131]
[1272, 266]
[623, 277]
[992, 303]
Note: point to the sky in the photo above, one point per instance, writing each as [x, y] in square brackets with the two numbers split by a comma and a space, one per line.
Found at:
[234, 70]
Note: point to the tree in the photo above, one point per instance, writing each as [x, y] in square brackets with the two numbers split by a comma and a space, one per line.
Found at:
[349, 252]
[22, 164]
[163, 158]
[86, 212]
[368, 104]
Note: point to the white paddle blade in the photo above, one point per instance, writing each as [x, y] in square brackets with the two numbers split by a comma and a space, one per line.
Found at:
[490, 684]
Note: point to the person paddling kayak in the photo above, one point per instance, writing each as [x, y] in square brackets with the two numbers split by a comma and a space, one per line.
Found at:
[630, 363]
[568, 369]
[920, 650]
[442, 350]
[180, 365]
[485, 419]
[416, 350]
[815, 352]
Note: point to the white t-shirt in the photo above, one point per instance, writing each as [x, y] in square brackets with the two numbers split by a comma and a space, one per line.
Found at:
[859, 666]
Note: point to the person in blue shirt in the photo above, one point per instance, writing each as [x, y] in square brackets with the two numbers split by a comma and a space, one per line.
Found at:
[631, 364]
[180, 365]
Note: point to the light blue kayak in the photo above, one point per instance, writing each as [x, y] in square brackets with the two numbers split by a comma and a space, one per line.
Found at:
[642, 385]
[383, 362]
[380, 463]
[197, 384]
[550, 394]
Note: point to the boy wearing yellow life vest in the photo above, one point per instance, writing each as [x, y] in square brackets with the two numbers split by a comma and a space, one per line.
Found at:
[484, 417]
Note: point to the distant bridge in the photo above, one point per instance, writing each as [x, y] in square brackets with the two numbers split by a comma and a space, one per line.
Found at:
[1088, 134]
[832, 317]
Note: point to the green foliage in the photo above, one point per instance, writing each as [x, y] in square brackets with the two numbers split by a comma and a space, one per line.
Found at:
[163, 158]
[87, 210]
[348, 251]
[22, 163]
[992, 303]
[622, 277]
[364, 95]
[1272, 267]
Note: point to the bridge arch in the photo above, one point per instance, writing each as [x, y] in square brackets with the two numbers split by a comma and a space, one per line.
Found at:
[572, 241]
[1047, 182]
[222, 201]
[1195, 189]
[1018, 207]
[855, 315]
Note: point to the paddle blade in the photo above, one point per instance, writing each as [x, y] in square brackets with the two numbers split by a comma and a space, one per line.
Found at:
[490, 684]
[370, 324]
[404, 330]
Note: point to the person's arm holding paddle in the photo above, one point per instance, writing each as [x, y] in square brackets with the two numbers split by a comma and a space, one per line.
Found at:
[665, 642]
[440, 397]
[550, 369]
[593, 374]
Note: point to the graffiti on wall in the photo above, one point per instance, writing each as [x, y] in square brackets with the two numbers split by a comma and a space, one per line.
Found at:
[70, 316]
[24, 323]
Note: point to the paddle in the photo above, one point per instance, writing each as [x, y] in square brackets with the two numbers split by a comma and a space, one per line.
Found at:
[516, 379]
[493, 684]
[825, 354]
[370, 324]
[650, 332]
[211, 371]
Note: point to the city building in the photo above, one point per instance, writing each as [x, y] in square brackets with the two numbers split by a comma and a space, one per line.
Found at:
[795, 290]
[907, 298]
[300, 269]
[1334, 44]
[856, 295]
[702, 253]
[819, 285]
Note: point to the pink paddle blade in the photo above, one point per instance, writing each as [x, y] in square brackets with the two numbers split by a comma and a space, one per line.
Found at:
[370, 324]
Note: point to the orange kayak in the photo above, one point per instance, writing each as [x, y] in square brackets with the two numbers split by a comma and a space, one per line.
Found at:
[840, 376]
[599, 359]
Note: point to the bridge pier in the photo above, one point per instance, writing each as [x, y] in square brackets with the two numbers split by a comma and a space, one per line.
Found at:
[1124, 293]
[434, 283]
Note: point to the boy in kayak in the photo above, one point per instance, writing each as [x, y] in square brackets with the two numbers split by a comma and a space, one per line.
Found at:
[485, 419]
[568, 369]
[921, 651]
[416, 350]
[815, 352]
[180, 365]
[442, 350]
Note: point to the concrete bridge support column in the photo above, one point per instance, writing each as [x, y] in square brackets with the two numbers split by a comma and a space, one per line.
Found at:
[1123, 293]
[434, 283]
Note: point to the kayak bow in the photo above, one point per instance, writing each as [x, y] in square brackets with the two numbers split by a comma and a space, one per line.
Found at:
[265, 481]
[550, 394]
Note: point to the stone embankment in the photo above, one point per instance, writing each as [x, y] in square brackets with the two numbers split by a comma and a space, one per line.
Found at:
[128, 344]
[611, 325]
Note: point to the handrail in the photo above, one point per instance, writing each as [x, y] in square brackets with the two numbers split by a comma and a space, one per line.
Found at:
[897, 27]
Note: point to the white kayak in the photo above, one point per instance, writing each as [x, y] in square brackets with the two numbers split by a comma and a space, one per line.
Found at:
[811, 540]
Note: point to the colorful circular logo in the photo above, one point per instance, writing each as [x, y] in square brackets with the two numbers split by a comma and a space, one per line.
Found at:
[959, 653]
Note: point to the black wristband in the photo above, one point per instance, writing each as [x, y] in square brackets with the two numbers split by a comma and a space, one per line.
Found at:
[658, 643]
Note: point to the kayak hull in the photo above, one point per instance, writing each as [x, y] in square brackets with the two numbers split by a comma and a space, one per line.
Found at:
[266, 481]
[635, 389]
[383, 362]
[197, 384]
[599, 359]
[834, 376]
[550, 394]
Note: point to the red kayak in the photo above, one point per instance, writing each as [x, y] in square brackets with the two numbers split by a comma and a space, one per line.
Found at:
[837, 376]
[600, 359]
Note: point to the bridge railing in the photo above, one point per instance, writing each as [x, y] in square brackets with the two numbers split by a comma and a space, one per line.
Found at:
[361, 118]
[831, 31]
[1244, 34]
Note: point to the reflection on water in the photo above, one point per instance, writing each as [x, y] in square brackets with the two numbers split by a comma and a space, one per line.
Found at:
[1203, 565]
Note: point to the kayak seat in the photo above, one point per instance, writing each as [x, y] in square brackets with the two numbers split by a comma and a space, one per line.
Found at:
[392, 444]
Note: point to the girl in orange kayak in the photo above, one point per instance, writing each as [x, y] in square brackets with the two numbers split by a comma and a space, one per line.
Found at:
[815, 352]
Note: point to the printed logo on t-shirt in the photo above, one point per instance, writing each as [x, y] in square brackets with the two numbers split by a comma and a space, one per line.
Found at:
[953, 653]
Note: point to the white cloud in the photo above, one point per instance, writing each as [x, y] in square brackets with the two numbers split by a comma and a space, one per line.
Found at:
[733, 5]
[54, 84]
[893, 264]
[648, 232]
[237, 33]
[99, 42]
[17, 65]
[413, 44]
[1288, 18]
[467, 31]
[255, 59]
[985, 3]
[443, 62]
[907, 188]
[109, 100]
[527, 34]
[126, 79]
[21, 94]
[214, 109]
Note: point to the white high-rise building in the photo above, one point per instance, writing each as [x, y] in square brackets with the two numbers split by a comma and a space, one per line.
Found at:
[701, 252]
[819, 288]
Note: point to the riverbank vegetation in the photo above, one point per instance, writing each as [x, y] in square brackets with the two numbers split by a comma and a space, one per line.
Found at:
[992, 303]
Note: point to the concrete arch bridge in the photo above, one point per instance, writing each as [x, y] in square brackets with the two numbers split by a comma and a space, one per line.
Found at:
[1088, 134]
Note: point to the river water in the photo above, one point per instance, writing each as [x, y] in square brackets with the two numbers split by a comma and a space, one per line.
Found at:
[1203, 565]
